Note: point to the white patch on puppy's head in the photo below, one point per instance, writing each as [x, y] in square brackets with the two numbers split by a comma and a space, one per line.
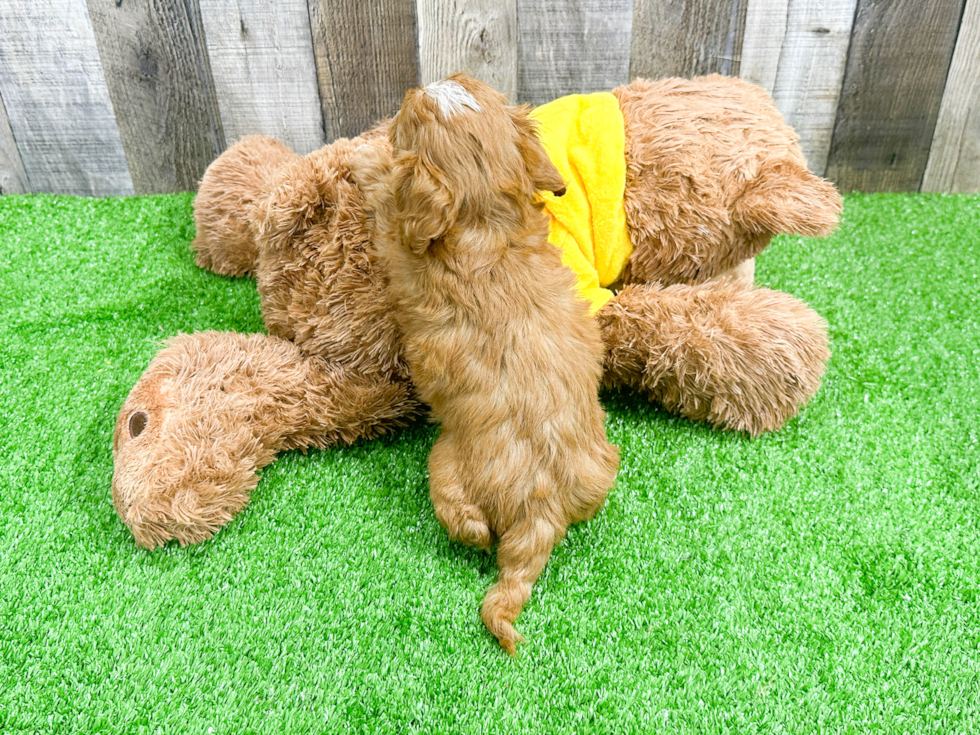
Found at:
[451, 97]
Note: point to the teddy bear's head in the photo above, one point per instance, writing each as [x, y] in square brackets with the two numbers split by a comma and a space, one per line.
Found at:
[185, 445]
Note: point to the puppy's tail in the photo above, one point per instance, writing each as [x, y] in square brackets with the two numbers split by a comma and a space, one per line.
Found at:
[523, 552]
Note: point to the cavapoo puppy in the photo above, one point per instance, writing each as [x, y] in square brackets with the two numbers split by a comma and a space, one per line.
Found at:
[497, 340]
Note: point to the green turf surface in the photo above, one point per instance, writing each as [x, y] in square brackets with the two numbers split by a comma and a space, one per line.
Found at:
[824, 578]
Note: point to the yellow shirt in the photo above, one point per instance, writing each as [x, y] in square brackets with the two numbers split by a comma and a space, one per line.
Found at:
[585, 139]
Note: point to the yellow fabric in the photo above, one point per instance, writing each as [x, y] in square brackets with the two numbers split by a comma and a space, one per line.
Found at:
[585, 139]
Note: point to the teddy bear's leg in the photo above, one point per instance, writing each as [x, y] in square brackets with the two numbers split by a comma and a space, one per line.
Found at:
[213, 408]
[712, 173]
[224, 242]
[744, 272]
[740, 358]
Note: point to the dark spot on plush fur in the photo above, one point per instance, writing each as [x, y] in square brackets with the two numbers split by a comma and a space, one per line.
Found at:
[137, 423]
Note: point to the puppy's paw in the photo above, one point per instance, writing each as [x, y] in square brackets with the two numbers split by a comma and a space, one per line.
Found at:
[473, 531]
[466, 524]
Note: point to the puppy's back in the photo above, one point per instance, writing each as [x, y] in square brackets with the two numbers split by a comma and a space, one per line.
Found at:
[502, 347]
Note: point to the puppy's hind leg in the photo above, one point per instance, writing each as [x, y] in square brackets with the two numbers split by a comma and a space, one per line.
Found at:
[464, 520]
[523, 552]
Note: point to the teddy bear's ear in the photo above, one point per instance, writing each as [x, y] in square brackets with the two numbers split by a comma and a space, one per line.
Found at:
[225, 239]
[287, 208]
[304, 192]
[542, 171]
[787, 198]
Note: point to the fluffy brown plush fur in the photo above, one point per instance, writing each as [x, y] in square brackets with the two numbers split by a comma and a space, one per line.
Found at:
[225, 242]
[498, 342]
[712, 173]
[708, 155]
[215, 407]
[714, 350]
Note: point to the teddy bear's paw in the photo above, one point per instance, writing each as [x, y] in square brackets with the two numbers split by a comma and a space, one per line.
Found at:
[195, 430]
[741, 358]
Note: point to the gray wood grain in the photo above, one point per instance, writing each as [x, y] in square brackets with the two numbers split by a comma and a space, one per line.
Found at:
[899, 56]
[261, 56]
[797, 50]
[686, 38]
[13, 177]
[571, 47]
[366, 59]
[475, 36]
[954, 158]
[56, 100]
[156, 66]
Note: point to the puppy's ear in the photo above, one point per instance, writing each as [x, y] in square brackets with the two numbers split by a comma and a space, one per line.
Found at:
[542, 171]
[427, 205]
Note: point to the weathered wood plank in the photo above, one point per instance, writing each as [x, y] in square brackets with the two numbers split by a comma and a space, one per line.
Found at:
[13, 178]
[570, 47]
[56, 100]
[766, 27]
[686, 38]
[893, 85]
[796, 50]
[475, 36]
[954, 159]
[366, 59]
[156, 66]
[261, 58]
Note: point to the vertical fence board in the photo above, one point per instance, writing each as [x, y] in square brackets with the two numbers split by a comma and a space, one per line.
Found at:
[686, 38]
[954, 159]
[141, 94]
[767, 24]
[366, 58]
[574, 46]
[261, 57]
[893, 84]
[56, 99]
[13, 178]
[796, 50]
[476, 36]
[156, 65]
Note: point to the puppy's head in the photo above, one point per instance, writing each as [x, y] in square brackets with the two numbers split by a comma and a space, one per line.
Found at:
[461, 151]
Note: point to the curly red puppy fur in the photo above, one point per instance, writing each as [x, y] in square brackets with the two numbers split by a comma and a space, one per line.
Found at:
[497, 340]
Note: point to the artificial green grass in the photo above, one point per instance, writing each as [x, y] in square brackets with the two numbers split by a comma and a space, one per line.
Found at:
[823, 578]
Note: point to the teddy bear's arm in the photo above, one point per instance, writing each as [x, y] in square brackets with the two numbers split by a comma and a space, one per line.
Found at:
[738, 357]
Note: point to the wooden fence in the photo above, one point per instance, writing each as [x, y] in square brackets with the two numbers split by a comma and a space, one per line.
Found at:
[139, 96]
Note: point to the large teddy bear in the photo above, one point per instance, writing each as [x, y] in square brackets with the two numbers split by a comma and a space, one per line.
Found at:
[711, 174]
